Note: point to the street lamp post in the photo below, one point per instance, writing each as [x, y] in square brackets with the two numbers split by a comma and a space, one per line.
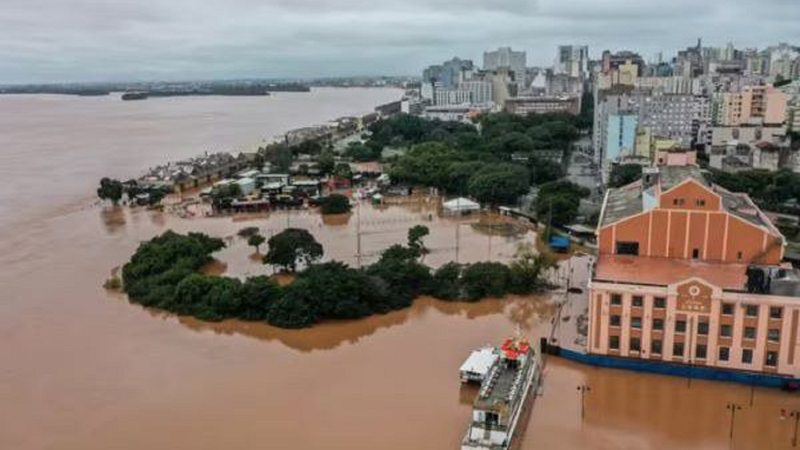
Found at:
[794, 414]
[732, 407]
[583, 389]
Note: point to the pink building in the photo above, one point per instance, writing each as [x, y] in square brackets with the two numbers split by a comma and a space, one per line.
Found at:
[691, 273]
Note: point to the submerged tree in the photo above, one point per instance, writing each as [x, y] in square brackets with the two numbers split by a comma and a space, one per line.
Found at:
[255, 241]
[335, 204]
[415, 236]
[291, 247]
[110, 190]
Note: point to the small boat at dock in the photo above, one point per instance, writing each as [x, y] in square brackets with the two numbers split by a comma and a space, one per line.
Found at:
[507, 375]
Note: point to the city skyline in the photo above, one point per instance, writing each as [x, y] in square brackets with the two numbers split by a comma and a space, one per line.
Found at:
[89, 40]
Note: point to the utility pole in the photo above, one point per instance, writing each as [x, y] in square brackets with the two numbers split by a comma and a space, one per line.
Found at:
[458, 239]
[583, 389]
[358, 233]
[732, 407]
[689, 334]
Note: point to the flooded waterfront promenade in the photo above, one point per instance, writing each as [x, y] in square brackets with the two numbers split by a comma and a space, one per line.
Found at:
[84, 369]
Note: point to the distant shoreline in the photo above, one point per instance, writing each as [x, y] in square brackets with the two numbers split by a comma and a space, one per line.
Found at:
[168, 90]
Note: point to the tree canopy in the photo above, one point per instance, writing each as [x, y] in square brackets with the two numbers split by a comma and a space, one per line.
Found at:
[335, 204]
[165, 273]
[110, 190]
[622, 174]
[559, 201]
[486, 164]
[500, 183]
[291, 247]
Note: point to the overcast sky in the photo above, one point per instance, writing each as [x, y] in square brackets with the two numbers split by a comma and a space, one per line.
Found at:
[96, 40]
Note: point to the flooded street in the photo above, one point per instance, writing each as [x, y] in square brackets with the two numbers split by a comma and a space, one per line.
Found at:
[84, 369]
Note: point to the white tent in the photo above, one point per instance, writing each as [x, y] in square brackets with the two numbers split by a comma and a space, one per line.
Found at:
[460, 205]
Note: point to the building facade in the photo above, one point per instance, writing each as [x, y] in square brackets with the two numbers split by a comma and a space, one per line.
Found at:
[691, 273]
[505, 58]
[541, 105]
[573, 61]
[675, 116]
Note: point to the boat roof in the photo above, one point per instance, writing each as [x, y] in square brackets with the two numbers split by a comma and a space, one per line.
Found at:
[480, 361]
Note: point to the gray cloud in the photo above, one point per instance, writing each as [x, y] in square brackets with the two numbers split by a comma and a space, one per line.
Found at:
[52, 40]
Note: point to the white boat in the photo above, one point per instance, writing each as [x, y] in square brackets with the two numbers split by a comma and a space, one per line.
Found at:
[478, 365]
[504, 394]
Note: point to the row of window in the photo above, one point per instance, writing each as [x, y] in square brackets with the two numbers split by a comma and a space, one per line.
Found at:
[637, 301]
[678, 201]
[701, 351]
[773, 334]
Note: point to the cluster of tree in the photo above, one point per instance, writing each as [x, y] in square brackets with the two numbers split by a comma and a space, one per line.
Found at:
[558, 202]
[622, 174]
[403, 130]
[771, 190]
[362, 152]
[495, 165]
[472, 282]
[113, 190]
[165, 273]
[335, 204]
[110, 190]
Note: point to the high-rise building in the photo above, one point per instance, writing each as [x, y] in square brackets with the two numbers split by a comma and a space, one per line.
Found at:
[573, 60]
[674, 116]
[505, 58]
[753, 105]
[448, 74]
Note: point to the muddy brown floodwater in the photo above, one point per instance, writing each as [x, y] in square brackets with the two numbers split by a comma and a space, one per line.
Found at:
[84, 369]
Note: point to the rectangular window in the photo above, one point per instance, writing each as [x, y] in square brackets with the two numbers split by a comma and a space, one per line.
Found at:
[751, 310]
[613, 342]
[614, 320]
[677, 349]
[725, 330]
[637, 301]
[775, 312]
[771, 359]
[636, 322]
[727, 309]
[700, 351]
[655, 347]
[680, 326]
[659, 303]
[658, 324]
[636, 344]
[700, 202]
[724, 353]
[616, 299]
[628, 248]
[747, 356]
[774, 335]
[702, 328]
[749, 332]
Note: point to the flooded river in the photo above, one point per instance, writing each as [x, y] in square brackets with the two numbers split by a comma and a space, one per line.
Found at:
[84, 369]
